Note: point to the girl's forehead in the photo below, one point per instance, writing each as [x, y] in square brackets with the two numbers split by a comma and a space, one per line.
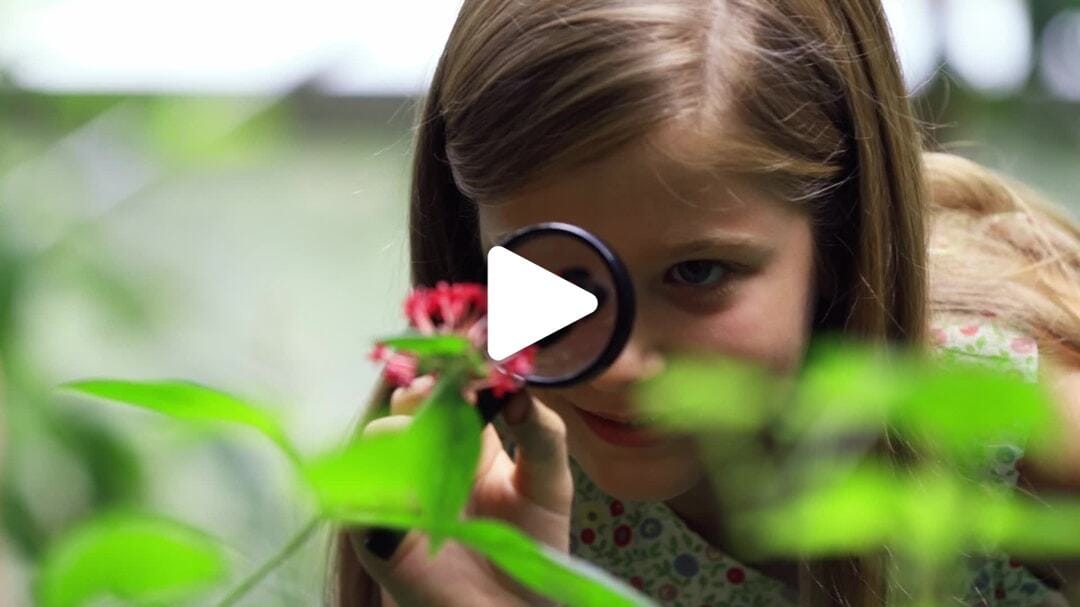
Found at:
[639, 194]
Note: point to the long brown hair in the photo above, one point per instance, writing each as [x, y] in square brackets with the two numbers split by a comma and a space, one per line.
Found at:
[999, 248]
[801, 95]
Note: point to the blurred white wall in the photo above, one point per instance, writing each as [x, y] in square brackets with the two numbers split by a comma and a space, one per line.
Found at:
[369, 48]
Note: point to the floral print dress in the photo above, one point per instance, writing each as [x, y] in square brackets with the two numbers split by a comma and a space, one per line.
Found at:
[648, 546]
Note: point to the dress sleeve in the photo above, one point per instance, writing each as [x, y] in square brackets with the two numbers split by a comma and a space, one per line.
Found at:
[983, 339]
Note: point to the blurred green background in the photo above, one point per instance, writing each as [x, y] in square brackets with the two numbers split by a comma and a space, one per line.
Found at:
[252, 237]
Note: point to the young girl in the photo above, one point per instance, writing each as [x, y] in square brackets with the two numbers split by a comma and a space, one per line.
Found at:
[757, 166]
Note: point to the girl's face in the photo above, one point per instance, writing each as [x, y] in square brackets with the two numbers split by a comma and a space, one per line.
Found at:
[716, 266]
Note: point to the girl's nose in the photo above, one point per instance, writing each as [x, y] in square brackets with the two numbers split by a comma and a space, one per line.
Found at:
[636, 362]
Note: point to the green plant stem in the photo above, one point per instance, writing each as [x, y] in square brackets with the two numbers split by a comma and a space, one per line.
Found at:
[291, 453]
[273, 563]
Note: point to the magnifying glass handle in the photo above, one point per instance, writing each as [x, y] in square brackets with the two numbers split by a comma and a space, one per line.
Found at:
[382, 542]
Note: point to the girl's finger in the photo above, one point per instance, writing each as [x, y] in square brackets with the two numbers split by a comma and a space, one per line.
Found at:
[491, 450]
[387, 424]
[384, 568]
[542, 471]
[405, 400]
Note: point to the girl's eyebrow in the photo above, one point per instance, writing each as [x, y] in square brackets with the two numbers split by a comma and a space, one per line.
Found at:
[747, 248]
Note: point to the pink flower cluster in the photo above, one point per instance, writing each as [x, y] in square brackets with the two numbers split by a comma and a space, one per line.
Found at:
[460, 309]
[400, 368]
[503, 377]
[449, 308]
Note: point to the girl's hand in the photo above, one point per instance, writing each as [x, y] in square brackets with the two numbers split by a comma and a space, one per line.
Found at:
[533, 492]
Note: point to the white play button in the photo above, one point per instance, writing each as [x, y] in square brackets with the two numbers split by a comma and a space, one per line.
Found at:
[526, 303]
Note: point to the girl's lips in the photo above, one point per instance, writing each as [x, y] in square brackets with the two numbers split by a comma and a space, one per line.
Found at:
[618, 419]
[619, 433]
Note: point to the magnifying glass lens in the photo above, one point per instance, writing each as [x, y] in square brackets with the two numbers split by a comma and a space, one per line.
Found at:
[575, 348]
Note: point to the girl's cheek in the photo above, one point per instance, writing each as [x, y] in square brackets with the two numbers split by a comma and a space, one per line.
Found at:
[755, 332]
[767, 322]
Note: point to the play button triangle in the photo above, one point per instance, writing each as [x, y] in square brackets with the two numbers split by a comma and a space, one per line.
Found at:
[526, 303]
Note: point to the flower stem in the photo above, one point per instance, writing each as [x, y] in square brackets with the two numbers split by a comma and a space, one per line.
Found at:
[273, 563]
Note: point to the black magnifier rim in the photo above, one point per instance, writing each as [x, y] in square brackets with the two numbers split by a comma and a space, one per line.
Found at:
[624, 294]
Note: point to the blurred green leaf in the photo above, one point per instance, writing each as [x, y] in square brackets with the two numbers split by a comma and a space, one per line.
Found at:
[428, 345]
[930, 517]
[389, 518]
[21, 526]
[136, 558]
[846, 388]
[112, 464]
[372, 474]
[117, 293]
[13, 270]
[705, 394]
[855, 514]
[188, 401]
[946, 515]
[377, 480]
[959, 408]
[933, 512]
[446, 434]
[426, 469]
[1023, 527]
[567, 580]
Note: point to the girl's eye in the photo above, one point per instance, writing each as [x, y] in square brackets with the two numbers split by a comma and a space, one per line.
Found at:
[698, 273]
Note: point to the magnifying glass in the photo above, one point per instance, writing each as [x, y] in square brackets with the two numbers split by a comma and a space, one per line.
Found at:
[578, 351]
[586, 347]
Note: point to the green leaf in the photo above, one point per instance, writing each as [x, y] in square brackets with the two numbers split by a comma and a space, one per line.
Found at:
[957, 409]
[446, 432]
[851, 515]
[427, 469]
[567, 580]
[933, 523]
[21, 526]
[428, 345]
[695, 394]
[845, 388]
[930, 518]
[114, 469]
[189, 401]
[401, 520]
[945, 515]
[135, 558]
[1022, 527]
[114, 291]
[372, 473]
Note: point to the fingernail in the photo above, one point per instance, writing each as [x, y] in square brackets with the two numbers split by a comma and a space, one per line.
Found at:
[382, 542]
